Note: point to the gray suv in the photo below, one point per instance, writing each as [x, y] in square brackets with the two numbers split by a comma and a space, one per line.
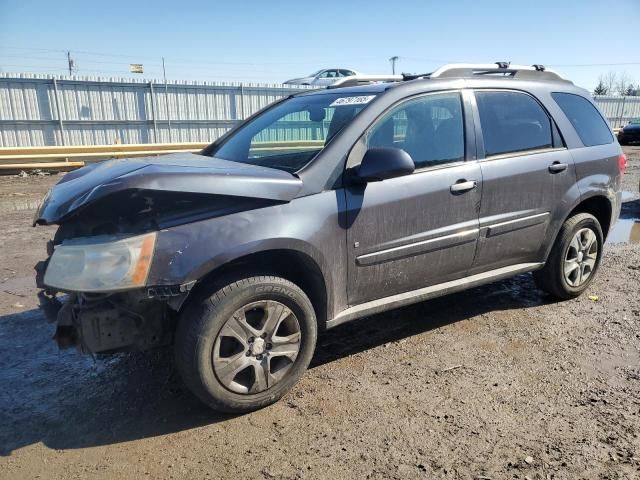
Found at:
[325, 207]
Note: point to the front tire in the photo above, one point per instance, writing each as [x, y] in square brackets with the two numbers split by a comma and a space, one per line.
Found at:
[246, 344]
[574, 258]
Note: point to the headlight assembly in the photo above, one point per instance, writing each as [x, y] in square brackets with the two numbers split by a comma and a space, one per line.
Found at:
[101, 264]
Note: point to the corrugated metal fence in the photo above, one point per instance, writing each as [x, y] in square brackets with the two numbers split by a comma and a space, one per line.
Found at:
[38, 110]
[618, 110]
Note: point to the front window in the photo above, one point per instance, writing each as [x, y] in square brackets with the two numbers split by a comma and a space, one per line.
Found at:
[429, 128]
[290, 134]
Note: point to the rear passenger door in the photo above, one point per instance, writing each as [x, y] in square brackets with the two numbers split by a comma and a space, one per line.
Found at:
[526, 173]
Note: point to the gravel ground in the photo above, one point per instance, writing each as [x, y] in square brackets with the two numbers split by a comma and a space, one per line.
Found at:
[496, 382]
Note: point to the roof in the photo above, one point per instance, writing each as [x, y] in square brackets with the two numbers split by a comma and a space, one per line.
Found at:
[474, 73]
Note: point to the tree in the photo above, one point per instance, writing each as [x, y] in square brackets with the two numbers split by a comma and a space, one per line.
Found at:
[623, 84]
[632, 91]
[609, 80]
[612, 83]
[601, 88]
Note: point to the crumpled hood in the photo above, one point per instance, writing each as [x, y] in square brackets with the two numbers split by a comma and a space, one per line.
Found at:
[179, 172]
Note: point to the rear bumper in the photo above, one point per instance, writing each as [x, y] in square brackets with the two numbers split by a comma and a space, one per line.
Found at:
[616, 207]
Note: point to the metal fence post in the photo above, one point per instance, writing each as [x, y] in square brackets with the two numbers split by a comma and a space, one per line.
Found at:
[624, 99]
[241, 101]
[166, 99]
[153, 113]
[60, 122]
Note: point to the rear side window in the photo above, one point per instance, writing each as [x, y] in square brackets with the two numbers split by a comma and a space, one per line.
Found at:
[585, 118]
[512, 122]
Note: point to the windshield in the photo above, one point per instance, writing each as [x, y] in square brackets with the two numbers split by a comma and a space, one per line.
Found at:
[290, 134]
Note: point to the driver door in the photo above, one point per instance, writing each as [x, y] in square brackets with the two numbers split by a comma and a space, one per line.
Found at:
[421, 229]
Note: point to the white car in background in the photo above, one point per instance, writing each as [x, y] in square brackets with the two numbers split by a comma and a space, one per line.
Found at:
[323, 77]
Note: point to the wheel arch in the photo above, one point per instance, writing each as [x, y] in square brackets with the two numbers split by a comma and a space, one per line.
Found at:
[597, 205]
[293, 265]
[600, 207]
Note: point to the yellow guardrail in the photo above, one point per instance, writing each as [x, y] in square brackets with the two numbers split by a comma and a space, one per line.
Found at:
[91, 152]
[65, 158]
[69, 157]
[55, 166]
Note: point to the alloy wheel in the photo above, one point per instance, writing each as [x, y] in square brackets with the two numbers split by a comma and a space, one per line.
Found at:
[256, 347]
[580, 259]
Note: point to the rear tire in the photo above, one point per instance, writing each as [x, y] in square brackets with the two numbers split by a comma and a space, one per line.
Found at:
[574, 258]
[246, 344]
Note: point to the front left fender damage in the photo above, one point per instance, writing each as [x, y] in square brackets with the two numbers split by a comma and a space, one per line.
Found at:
[133, 197]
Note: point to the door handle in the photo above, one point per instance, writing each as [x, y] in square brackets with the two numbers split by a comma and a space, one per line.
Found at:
[462, 186]
[557, 167]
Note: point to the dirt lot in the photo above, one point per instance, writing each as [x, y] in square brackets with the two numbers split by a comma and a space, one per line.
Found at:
[497, 382]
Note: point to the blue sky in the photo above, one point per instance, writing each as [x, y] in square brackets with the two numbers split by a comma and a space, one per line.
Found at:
[274, 40]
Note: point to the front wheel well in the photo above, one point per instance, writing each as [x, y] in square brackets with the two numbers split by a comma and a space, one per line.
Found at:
[598, 206]
[295, 266]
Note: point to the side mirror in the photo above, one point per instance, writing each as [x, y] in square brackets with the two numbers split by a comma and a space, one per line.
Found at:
[381, 163]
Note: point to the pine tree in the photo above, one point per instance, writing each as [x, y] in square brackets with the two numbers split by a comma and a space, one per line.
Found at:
[601, 89]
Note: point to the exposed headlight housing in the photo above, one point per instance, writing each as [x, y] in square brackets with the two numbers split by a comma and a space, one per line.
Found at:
[101, 264]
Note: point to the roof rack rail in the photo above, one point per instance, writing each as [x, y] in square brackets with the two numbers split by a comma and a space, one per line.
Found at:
[460, 70]
[355, 80]
[538, 72]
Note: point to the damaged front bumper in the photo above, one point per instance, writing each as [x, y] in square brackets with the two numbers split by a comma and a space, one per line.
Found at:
[108, 323]
[135, 320]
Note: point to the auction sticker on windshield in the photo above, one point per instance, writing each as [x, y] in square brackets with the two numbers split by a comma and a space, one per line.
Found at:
[359, 100]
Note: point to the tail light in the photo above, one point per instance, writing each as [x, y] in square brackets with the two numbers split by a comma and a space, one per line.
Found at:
[622, 162]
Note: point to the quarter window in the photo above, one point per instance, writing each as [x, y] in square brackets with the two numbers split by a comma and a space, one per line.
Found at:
[429, 128]
[585, 118]
[512, 122]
